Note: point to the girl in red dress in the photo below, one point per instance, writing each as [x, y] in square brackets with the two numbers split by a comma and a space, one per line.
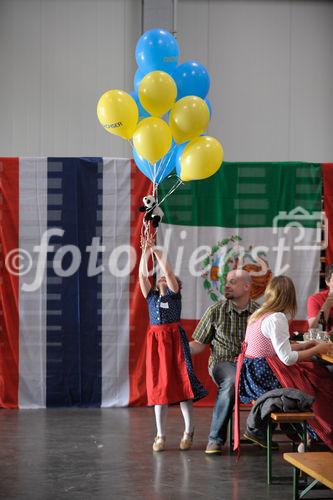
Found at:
[169, 372]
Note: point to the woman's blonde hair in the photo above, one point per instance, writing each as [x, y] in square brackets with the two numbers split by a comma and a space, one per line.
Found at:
[280, 296]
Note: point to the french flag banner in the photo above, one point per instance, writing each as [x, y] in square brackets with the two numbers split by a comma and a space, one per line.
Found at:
[72, 317]
[70, 234]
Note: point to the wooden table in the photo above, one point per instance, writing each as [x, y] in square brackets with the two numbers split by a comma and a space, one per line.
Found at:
[327, 357]
[318, 465]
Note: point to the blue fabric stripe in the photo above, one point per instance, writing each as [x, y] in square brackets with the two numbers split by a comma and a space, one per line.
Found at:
[73, 324]
[90, 182]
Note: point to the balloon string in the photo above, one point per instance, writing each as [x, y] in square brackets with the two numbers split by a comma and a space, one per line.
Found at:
[153, 170]
[148, 163]
[155, 193]
[174, 187]
[145, 231]
[165, 164]
[144, 249]
[154, 175]
[146, 225]
[144, 235]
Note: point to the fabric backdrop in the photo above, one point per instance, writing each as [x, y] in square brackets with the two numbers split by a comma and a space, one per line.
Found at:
[72, 318]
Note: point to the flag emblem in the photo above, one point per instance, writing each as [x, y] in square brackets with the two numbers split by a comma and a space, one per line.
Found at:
[229, 254]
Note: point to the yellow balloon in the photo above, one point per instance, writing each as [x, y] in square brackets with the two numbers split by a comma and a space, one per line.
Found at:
[152, 139]
[189, 118]
[157, 92]
[118, 113]
[201, 158]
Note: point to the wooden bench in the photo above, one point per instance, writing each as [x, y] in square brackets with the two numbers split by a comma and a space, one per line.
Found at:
[285, 418]
[318, 465]
[275, 418]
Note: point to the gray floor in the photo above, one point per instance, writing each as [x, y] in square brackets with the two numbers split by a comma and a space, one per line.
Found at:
[106, 454]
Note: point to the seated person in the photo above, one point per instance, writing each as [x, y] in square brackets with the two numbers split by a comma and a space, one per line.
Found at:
[322, 302]
[269, 361]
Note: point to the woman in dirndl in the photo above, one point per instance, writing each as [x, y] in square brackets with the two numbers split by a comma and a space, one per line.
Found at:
[170, 377]
[269, 361]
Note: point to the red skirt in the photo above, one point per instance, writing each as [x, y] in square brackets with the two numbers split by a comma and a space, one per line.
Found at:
[312, 378]
[167, 378]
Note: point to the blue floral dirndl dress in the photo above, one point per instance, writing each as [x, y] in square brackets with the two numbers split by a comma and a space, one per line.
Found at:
[170, 377]
[256, 379]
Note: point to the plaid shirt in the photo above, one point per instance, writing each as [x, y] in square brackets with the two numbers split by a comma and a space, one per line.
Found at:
[223, 326]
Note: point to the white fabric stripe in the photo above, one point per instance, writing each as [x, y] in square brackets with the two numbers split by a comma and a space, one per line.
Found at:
[301, 264]
[115, 296]
[32, 339]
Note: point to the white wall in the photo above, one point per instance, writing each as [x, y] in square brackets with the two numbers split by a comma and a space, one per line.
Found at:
[56, 58]
[271, 66]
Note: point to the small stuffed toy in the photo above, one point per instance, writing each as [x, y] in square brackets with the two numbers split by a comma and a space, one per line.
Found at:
[153, 212]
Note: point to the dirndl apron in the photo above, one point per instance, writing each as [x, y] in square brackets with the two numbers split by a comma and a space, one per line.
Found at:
[169, 372]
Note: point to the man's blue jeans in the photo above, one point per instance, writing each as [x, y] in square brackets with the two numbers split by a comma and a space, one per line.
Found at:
[223, 374]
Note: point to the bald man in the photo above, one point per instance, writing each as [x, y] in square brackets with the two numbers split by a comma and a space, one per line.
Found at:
[223, 328]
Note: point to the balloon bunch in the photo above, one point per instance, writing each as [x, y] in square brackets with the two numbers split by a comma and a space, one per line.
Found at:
[166, 114]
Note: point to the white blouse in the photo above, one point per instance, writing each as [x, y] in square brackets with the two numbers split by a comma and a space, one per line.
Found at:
[275, 327]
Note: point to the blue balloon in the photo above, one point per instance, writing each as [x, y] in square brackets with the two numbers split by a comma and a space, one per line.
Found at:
[179, 152]
[209, 104]
[191, 78]
[157, 49]
[142, 112]
[166, 117]
[164, 166]
[137, 79]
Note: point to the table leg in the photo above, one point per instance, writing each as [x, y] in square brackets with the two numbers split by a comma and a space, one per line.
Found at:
[304, 435]
[231, 431]
[269, 452]
[295, 483]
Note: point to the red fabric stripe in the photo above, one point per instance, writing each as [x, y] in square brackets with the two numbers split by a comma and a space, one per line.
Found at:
[138, 312]
[327, 172]
[9, 284]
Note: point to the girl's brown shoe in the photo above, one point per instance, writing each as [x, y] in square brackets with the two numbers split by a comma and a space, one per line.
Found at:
[159, 443]
[186, 441]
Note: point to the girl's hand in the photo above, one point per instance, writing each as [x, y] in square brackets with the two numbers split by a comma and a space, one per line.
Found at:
[147, 243]
[308, 345]
[150, 243]
[142, 242]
